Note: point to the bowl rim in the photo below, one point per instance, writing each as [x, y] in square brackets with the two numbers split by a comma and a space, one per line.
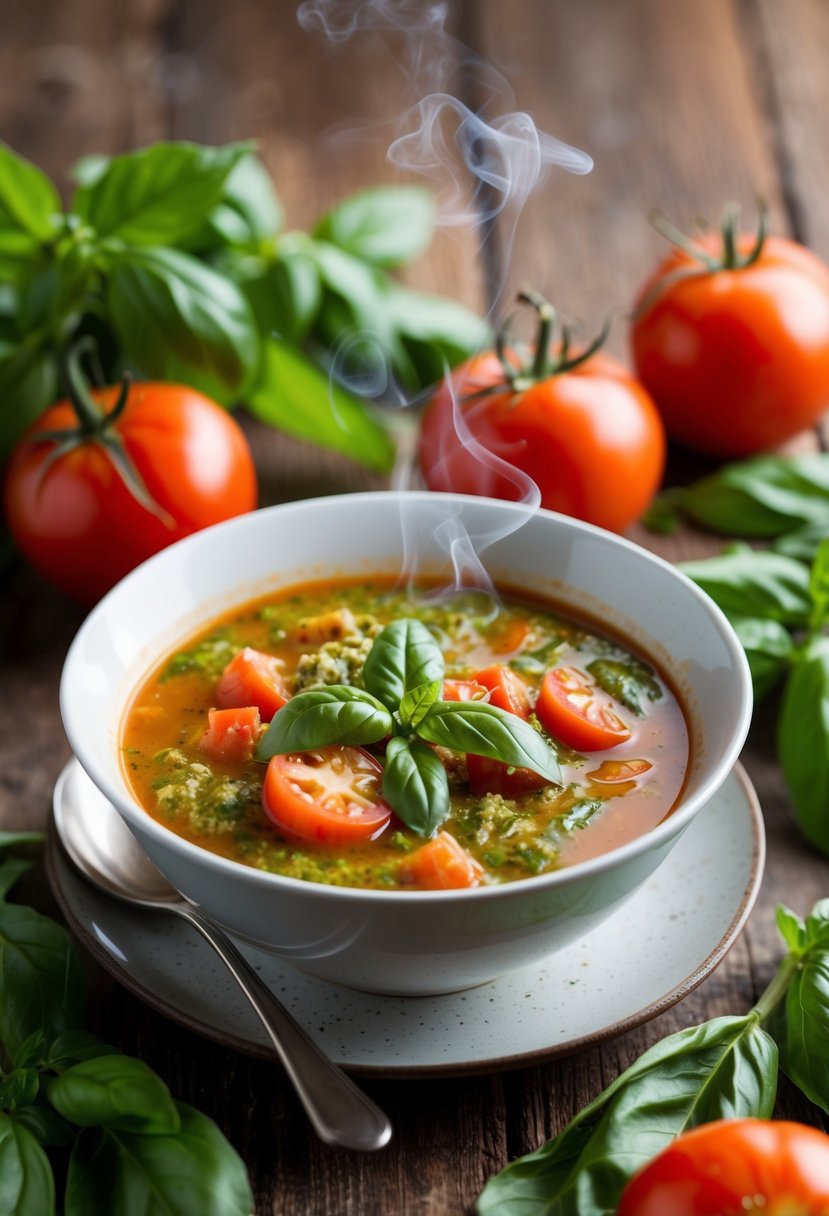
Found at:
[669, 827]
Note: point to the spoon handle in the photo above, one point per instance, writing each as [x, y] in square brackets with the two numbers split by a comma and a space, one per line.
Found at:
[339, 1111]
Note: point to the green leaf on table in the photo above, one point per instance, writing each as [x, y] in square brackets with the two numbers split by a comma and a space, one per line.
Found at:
[726, 1068]
[435, 332]
[484, 730]
[40, 978]
[763, 497]
[287, 298]
[193, 1170]
[156, 195]
[819, 586]
[403, 657]
[791, 928]
[629, 681]
[28, 384]
[415, 785]
[320, 717]
[115, 1091]
[29, 202]
[769, 648]
[179, 320]
[293, 395]
[803, 542]
[27, 1186]
[803, 741]
[755, 584]
[247, 214]
[386, 226]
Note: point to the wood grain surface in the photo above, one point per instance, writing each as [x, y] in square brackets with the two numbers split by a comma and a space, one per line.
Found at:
[683, 107]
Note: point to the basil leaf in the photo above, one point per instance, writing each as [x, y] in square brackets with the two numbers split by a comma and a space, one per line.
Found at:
[29, 203]
[403, 657]
[803, 741]
[27, 1187]
[761, 497]
[114, 1091]
[28, 384]
[435, 332]
[291, 293]
[630, 682]
[803, 542]
[817, 925]
[386, 226]
[19, 1088]
[337, 714]
[769, 648]
[755, 584]
[476, 727]
[249, 192]
[415, 785]
[726, 1068]
[179, 320]
[45, 1125]
[194, 1170]
[415, 704]
[75, 1046]
[11, 869]
[791, 929]
[799, 1026]
[819, 586]
[157, 195]
[40, 978]
[293, 395]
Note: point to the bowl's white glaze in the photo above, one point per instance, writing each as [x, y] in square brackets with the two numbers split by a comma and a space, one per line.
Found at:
[401, 942]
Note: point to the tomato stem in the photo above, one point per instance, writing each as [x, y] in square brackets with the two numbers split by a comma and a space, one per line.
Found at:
[89, 416]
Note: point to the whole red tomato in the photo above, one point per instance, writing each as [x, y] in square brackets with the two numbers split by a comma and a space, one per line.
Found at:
[87, 507]
[731, 338]
[732, 1168]
[581, 428]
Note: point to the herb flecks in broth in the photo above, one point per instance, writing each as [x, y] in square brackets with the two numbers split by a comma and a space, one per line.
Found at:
[475, 819]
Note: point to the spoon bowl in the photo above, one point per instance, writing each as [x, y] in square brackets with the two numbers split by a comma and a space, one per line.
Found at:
[106, 853]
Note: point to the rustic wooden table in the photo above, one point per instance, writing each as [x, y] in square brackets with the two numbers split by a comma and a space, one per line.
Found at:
[683, 106]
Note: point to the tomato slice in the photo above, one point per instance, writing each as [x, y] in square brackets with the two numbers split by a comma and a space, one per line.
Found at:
[610, 772]
[253, 678]
[331, 795]
[442, 865]
[506, 689]
[575, 710]
[494, 777]
[232, 734]
[463, 690]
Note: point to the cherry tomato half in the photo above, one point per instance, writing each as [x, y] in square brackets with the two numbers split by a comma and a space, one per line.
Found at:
[575, 710]
[509, 692]
[737, 360]
[331, 795]
[591, 439]
[253, 678]
[735, 1167]
[73, 516]
[442, 865]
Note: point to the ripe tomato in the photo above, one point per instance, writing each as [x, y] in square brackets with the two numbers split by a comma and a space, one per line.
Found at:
[232, 734]
[735, 357]
[331, 795]
[586, 433]
[507, 690]
[575, 710]
[462, 690]
[253, 678]
[735, 1167]
[442, 865]
[71, 512]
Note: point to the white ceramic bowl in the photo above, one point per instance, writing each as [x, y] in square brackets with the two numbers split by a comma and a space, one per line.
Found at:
[407, 942]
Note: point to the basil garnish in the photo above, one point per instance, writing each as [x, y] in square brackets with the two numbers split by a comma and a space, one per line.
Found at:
[403, 675]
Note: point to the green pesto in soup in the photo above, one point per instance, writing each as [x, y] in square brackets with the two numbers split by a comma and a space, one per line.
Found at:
[611, 728]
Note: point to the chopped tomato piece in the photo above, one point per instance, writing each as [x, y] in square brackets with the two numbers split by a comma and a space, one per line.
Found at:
[442, 865]
[575, 710]
[253, 678]
[512, 638]
[611, 771]
[494, 777]
[232, 734]
[506, 689]
[331, 795]
[463, 690]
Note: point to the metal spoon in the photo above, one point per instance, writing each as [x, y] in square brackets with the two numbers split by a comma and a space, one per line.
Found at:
[108, 855]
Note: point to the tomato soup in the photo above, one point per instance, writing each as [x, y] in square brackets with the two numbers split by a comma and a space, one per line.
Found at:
[609, 720]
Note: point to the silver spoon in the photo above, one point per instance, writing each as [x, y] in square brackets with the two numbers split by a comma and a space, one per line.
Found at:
[108, 855]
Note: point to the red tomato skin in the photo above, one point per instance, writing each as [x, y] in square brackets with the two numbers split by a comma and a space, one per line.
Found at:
[303, 819]
[737, 361]
[252, 678]
[507, 690]
[719, 1168]
[462, 690]
[79, 525]
[494, 777]
[232, 734]
[587, 731]
[591, 439]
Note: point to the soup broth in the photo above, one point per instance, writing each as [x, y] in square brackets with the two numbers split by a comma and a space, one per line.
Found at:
[194, 771]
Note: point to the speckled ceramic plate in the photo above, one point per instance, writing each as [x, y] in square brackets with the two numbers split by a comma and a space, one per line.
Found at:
[649, 955]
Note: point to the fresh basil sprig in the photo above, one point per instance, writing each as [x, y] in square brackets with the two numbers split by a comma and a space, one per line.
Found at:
[132, 1146]
[174, 256]
[403, 675]
[726, 1068]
